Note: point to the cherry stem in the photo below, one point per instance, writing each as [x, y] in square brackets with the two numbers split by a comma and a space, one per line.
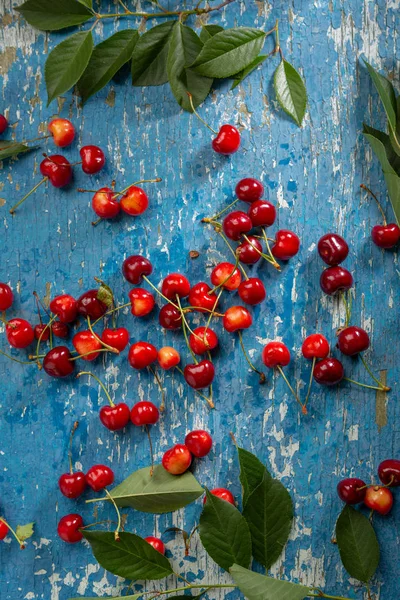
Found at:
[197, 114]
[21, 362]
[221, 285]
[101, 384]
[347, 307]
[111, 499]
[314, 360]
[185, 332]
[261, 375]
[321, 594]
[364, 187]
[110, 348]
[14, 208]
[273, 259]
[289, 386]
[221, 212]
[162, 14]
[211, 314]
[159, 293]
[71, 437]
[234, 253]
[159, 383]
[208, 400]
[41, 335]
[151, 450]
[370, 387]
[384, 388]
[20, 542]
[110, 312]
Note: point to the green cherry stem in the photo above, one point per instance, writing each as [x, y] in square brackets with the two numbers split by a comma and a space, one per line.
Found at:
[86, 353]
[151, 450]
[147, 280]
[364, 187]
[185, 334]
[267, 241]
[370, 387]
[111, 499]
[159, 383]
[111, 312]
[20, 542]
[21, 362]
[221, 212]
[221, 285]
[71, 437]
[384, 388]
[212, 313]
[347, 307]
[272, 261]
[109, 348]
[14, 208]
[41, 335]
[303, 408]
[234, 253]
[101, 384]
[197, 114]
[314, 360]
[252, 367]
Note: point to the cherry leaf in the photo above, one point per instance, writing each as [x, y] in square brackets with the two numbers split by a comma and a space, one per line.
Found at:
[252, 472]
[50, 15]
[386, 93]
[290, 91]
[10, 149]
[208, 31]
[239, 77]
[260, 587]
[105, 295]
[24, 532]
[149, 59]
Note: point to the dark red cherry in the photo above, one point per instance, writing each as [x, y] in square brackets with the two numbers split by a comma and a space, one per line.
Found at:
[41, 332]
[72, 485]
[262, 213]
[156, 543]
[115, 417]
[19, 333]
[286, 245]
[227, 140]
[63, 132]
[249, 189]
[58, 363]
[235, 224]
[6, 296]
[386, 236]
[135, 267]
[175, 285]
[199, 442]
[199, 375]
[202, 340]
[252, 291]
[65, 307]
[353, 340]
[275, 354]
[335, 279]
[105, 203]
[60, 330]
[389, 472]
[333, 249]
[142, 355]
[328, 371]
[89, 305]
[170, 317]
[99, 476]
[352, 490]
[200, 297]
[68, 528]
[237, 318]
[57, 169]
[116, 338]
[142, 302]
[177, 459]
[315, 346]
[249, 252]
[93, 159]
[226, 275]
[3, 124]
[144, 413]
[379, 498]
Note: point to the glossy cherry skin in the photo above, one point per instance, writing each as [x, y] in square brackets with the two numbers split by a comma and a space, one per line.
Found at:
[141, 355]
[237, 318]
[134, 267]
[169, 317]
[168, 358]
[175, 285]
[349, 490]
[207, 342]
[199, 376]
[379, 499]
[99, 476]
[275, 354]
[177, 459]
[41, 332]
[199, 442]
[249, 189]
[135, 201]
[90, 306]
[72, 485]
[223, 494]
[19, 333]
[315, 346]
[58, 363]
[226, 272]
[105, 203]
[156, 543]
[249, 252]
[142, 302]
[3, 124]
[93, 159]
[227, 140]
[286, 245]
[63, 132]
[57, 169]
[65, 307]
[353, 340]
[386, 236]
[252, 291]
[116, 338]
[144, 413]
[60, 330]
[200, 298]
[115, 417]
[389, 472]
[236, 224]
[68, 528]
[6, 296]
[85, 342]
[333, 249]
[262, 213]
[328, 371]
[4, 529]
[335, 279]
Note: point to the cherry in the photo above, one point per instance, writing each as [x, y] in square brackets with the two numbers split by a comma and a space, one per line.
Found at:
[135, 267]
[333, 249]
[252, 291]
[249, 189]
[275, 354]
[65, 307]
[19, 333]
[59, 329]
[142, 302]
[144, 413]
[69, 528]
[63, 132]
[199, 375]
[389, 472]
[142, 355]
[335, 279]
[223, 494]
[226, 275]
[352, 490]
[89, 305]
[227, 140]
[4, 529]
[41, 332]
[175, 285]
[286, 245]
[200, 297]
[6, 296]
[386, 236]
[207, 342]
[328, 371]
[72, 485]
[58, 363]
[177, 459]
[93, 159]
[170, 317]
[115, 417]
[249, 252]
[262, 213]
[237, 318]
[156, 543]
[315, 346]
[85, 342]
[135, 201]
[168, 357]
[236, 224]
[116, 338]
[353, 340]
[99, 476]
[105, 203]
[57, 169]
[3, 127]
[379, 499]
[199, 442]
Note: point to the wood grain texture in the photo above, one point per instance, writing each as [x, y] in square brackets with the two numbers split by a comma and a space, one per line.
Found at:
[313, 175]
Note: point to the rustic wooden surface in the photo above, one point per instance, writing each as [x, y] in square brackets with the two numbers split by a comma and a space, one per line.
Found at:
[313, 175]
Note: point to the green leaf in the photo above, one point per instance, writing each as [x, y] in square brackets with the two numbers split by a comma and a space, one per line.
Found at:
[131, 557]
[66, 63]
[10, 149]
[386, 94]
[88, 3]
[269, 513]
[224, 533]
[249, 69]
[184, 46]
[149, 59]
[260, 587]
[391, 155]
[50, 15]
[134, 597]
[24, 532]
[357, 543]
[290, 91]
[208, 31]
[105, 294]
[252, 472]
[107, 58]
[160, 493]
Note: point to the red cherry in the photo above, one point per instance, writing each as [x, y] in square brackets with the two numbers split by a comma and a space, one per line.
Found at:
[142, 302]
[223, 494]
[115, 417]
[99, 477]
[207, 342]
[65, 307]
[135, 201]
[249, 189]
[227, 140]
[57, 169]
[58, 363]
[169, 317]
[177, 459]
[3, 127]
[237, 318]
[168, 357]
[135, 267]
[144, 413]
[105, 203]
[63, 132]
[249, 251]
[252, 291]
[379, 499]
[389, 472]
[262, 213]
[41, 332]
[286, 245]
[199, 375]
[315, 346]
[200, 298]
[6, 296]
[353, 340]
[333, 249]
[19, 333]
[156, 543]
[90, 306]
[93, 159]
[68, 528]
[141, 355]
[386, 236]
[116, 338]
[226, 272]
[175, 285]
[4, 529]
[85, 342]
[335, 279]
[199, 442]
[72, 485]
[328, 371]
[352, 490]
[275, 354]
[236, 224]
[60, 330]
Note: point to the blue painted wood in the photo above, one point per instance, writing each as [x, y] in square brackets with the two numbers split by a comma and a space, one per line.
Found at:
[313, 175]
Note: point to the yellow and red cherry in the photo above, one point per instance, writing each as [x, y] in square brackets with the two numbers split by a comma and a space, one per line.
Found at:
[175, 285]
[199, 442]
[286, 245]
[222, 494]
[389, 472]
[252, 291]
[65, 307]
[142, 302]
[328, 371]
[134, 201]
[58, 363]
[177, 459]
[117, 338]
[335, 279]
[3, 127]
[156, 543]
[315, 346]
[237, 318]
[199, 375]
[201, 298]
[249, 190]
[352, 490]
[168, 358]
[226, 275]
[6, 297]
[89, 305]
[202, 340]
[93, 159]
[105, 203]
[235, 224]
[59, 329]
[135, 267]
[170, 317]
[85, 342]
[99, 476]
[275, 354]
[72, 485]
[19, 333]
[333, 249]
[353, 340]
[42, 332]
[144, 413]
[386, 236]
[115, 417]
[249, 251]
[262, 213]
[63, 132]
[69, 527]
[379, 498]
[142, 355]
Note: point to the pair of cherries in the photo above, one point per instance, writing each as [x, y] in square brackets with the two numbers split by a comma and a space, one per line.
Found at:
[333, 249]
[178, 459]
